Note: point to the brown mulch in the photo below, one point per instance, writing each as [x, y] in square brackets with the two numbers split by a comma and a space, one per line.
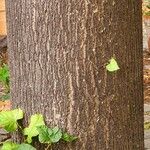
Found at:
[5, 105]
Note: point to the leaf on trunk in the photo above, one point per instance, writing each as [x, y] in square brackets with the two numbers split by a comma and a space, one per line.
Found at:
[112, 66]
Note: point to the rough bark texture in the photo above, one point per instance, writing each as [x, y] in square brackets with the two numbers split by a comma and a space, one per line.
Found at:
[3, 50]
[58, 50]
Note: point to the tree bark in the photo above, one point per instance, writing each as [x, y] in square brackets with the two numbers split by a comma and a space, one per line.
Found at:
[58, 50]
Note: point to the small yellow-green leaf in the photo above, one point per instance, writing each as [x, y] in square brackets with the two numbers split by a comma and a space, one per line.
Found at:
[147, 125]
[112, 66]
[8, 119]
[13, 146]
[31, 131]
[10, 146]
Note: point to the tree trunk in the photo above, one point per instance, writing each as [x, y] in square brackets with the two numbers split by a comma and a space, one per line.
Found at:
[58, 51]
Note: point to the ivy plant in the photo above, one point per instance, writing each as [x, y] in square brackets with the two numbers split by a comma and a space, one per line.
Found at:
[4, 80]
[36, 128]
[4, 76]
[31, 131]
[112, 65]
[13, 146]
[49, 135]
[147, 125]
[8, 119]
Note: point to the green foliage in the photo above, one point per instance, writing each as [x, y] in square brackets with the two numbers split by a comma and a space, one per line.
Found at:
[37, 127]
[56, 135]
[146, 7]
[44, 133]
[14, 146]
[8, 119]
[53, 135]
[10, 146]
[112, 66]
[5, 96]
[48, 135]
[147, 125]
[25, 146]
[31, 131]
[4, 76]
[147, 113]
[147, 13]
[68, 138]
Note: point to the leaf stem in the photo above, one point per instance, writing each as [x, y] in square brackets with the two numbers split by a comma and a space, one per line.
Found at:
[48, 147]
[19, 126]
[21, 131]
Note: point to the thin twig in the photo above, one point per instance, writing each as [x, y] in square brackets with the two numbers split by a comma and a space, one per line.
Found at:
[48, 147]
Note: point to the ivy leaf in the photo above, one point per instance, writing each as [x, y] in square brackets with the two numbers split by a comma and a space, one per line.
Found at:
[56, 135]
[68, 138]
[48, 135]
[4, 74]
[10, 146]
[112, 66]
[24, 146]
[14, 146]
[146, 125]
[44, 134]
[31, 131]
[8, 119]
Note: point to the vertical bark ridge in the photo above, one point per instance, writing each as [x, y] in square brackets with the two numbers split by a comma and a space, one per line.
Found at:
[58, 51]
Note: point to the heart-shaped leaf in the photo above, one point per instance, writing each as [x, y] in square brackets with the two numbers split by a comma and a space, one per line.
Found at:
[112, 66]
[8, 119]
[68, 138]
[56, 135]
[48, 135]
[10, 146]
[44, 134]
[14, 146]
[25, 146]
[31, 131]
